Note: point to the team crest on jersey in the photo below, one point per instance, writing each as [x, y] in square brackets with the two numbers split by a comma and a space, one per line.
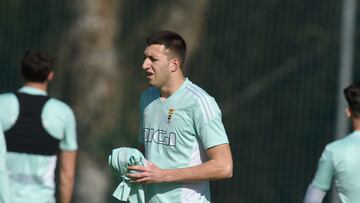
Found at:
[170, 113]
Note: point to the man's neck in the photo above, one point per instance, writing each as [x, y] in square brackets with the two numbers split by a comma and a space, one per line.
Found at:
[171, 88]
[38, 85]
[356, 124]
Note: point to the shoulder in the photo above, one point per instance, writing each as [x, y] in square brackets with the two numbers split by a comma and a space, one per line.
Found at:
[7, 97]
[150, 92]
[336, 147]
[9, 109]
[202, 99]
[339, 149]
[57, 105]
[149, 95]
[344, 143]
[199, 94]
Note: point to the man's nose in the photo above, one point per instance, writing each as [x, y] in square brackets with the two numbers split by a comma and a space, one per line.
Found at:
[146, 64]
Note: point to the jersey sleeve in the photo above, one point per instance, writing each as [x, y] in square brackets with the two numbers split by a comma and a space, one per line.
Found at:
[314, 195]
[325, 171]
[9, 110]
[208, 124]
[69, 142]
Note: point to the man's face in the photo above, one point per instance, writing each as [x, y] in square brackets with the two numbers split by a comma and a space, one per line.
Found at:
[157, 65]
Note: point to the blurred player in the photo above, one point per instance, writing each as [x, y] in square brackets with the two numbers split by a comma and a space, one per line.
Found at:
[341, 159]
[38, 129]
[181, 129]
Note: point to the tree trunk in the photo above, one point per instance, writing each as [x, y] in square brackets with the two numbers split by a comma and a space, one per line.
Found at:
[89, 54]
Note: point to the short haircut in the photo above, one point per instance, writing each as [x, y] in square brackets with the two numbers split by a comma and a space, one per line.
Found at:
[352, 95]
[172, 41]
[36, 66]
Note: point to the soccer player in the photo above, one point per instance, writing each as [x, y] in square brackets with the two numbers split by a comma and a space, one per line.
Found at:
[341, 159]
[38, 129]
[181, 130]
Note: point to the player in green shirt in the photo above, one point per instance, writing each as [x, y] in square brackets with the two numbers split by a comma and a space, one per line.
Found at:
[341, 159]
[181, 130]
[38, 130]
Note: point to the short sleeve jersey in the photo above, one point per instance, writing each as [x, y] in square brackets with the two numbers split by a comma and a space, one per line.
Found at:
[32, 175]
[176, 133]
[340, 160]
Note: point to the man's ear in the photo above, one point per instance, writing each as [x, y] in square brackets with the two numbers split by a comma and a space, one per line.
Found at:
[348, 112]
[51, 76]
[175, 64]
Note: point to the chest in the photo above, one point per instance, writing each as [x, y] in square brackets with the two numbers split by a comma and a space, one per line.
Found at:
[168, 124]
[167, 116]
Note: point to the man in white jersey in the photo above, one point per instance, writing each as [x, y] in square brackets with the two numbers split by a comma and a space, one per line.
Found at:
[38, 129]
[181, 130]
[341, 159]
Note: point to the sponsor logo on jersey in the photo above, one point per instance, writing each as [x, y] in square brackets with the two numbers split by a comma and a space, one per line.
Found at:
[158, 136]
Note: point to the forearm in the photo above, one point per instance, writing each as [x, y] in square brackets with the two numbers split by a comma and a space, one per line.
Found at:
[219, 166]
[66, 190]
[67, 176]
[210, 170]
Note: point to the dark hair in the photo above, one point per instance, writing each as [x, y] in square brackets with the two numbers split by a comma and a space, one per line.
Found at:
[36, 66]
[172, 41]
[352, 95]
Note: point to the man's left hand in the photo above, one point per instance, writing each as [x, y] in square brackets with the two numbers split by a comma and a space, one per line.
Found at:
[147, 174]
